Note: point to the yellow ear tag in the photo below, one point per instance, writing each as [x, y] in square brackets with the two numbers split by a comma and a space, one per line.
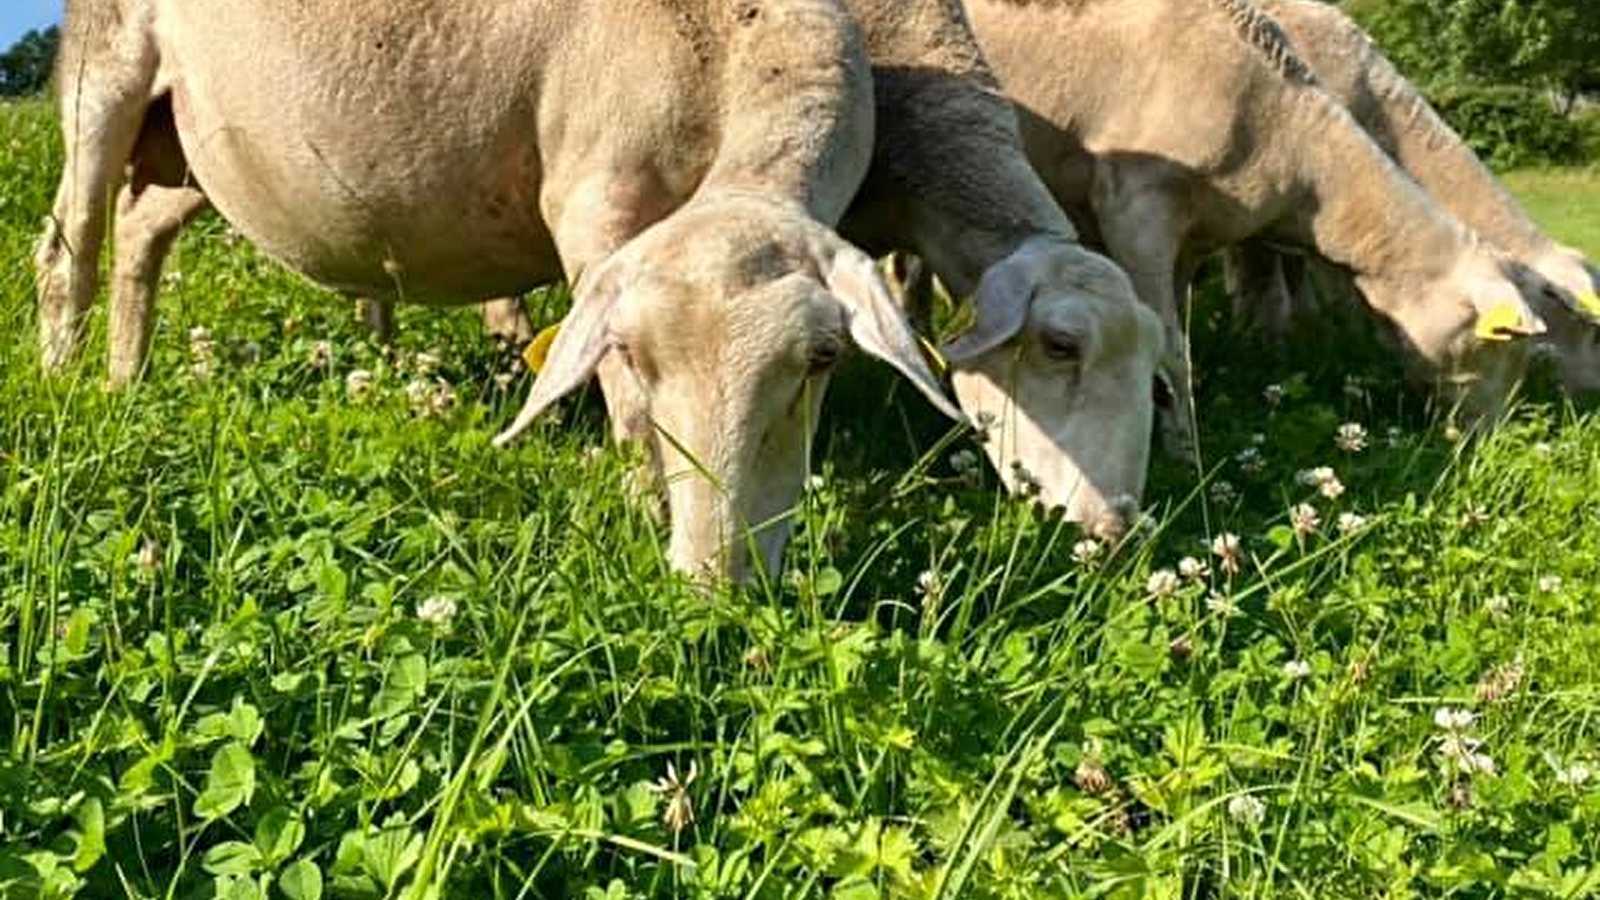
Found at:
[1589, 303]
[1499, 323]
[538, 349]
[936, 360]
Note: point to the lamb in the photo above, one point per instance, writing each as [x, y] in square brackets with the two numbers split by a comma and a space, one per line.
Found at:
[693, 218]
[1170, 155]
[1399, 119]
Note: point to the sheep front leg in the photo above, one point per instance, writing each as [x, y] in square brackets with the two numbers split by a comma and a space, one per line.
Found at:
[1141, 231]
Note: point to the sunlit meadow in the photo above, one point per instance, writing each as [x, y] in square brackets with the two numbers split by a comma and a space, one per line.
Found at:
[280, 623]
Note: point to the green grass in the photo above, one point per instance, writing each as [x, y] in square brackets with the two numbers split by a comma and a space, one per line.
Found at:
[1564, 201]
[261, 638]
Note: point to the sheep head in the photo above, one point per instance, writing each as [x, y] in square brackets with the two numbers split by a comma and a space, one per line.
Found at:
[1466, 332]
[1569, 302]
[719, 327]
[1061, 364]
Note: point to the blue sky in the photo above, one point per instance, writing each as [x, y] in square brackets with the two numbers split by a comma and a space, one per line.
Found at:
[18, 16]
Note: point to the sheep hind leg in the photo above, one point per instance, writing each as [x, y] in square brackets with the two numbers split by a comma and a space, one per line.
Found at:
[378, 315]
[505, 320]
[107, 71]
[1258, 287]
[148, 222]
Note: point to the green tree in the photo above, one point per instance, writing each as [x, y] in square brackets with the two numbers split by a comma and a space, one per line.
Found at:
[1545, 44]
[26, 67]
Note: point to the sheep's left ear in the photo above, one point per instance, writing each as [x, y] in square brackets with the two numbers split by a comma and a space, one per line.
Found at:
[1000, 305]
[877, 323]
[576, 348]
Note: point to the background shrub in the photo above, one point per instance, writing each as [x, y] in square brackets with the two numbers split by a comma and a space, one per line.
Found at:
[1510, 126]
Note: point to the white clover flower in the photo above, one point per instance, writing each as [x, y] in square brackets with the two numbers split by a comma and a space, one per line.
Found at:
[1462, 753]
[1498, 607]
[426, 362]
[1549, 584]
[1297, 668]
[1247, 810]
[1223, 492]
[1304, 519]
[201, 345]
[1225, 547]
[321, 354]
[963, 461]
[1193, 569]
[1087, 551]
[1250, 460]
[417, 391]
[1313, 477]
[816, 482]
[1222, 605]
[442, 399]
[1351, 437]
[1162, 583]
[1323, 479]
[1273, 394]
[1449, 719]
[1027, 482]
[502, 380]
[679, 813]
[358, 384]
[1350, 521]
[437, 611]
[929, 583]
[1502, 681]
[1575, 775]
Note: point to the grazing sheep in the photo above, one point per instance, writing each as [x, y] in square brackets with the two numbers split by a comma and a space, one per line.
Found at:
[1218, 134]
[950, 181]
[461, 150]
[1399, 119]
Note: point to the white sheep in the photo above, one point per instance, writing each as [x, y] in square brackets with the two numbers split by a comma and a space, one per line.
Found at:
[463, 150]
[1351, 68]
[1177, 127]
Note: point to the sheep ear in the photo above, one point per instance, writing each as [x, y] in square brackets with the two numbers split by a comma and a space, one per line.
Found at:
[1506, 320]
[1000, 307]
[877, 323]
[575, 349]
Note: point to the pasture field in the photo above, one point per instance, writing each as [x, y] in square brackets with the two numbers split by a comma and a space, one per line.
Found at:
[1563, 200]
[272, 628]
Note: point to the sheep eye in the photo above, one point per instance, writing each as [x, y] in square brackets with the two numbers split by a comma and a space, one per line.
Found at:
[823, 356]
[1062, 347]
